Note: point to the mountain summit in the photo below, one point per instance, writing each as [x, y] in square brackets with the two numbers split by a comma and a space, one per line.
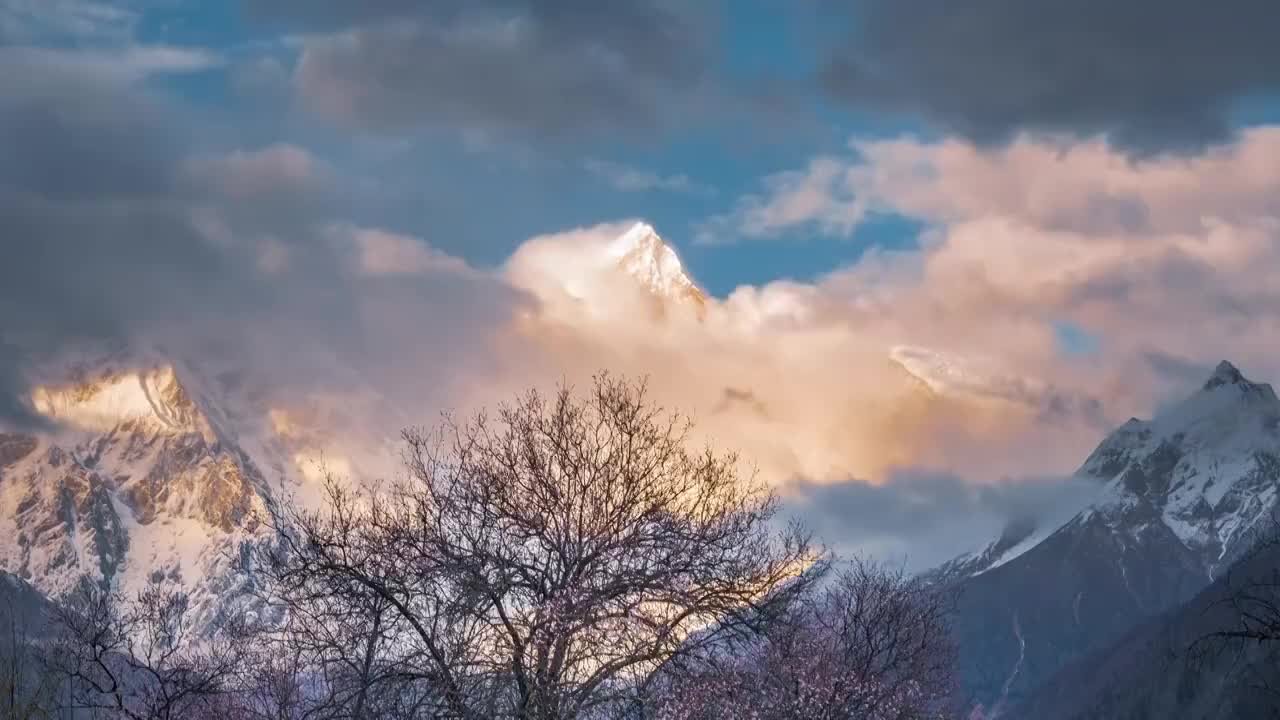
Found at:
[1225, 374]
[642, 254]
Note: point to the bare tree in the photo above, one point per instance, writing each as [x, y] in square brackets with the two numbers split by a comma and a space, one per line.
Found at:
[272, 684]
[138, 659]
[541, 563]
[872, 645]
[331, 653]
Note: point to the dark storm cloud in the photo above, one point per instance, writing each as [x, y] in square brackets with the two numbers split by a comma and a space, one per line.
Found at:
[1154, 74]
[71, 131]
[930, 517]
[114, 232]
[540, 67]
[94, 244]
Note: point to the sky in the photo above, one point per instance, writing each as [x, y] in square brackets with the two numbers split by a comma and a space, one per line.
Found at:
[1074, 206]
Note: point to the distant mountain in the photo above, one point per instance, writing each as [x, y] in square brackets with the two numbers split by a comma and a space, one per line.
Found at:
[1179, 498]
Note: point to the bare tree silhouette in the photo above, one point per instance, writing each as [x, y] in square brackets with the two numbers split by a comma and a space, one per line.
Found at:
[537, 564]
[139, 659]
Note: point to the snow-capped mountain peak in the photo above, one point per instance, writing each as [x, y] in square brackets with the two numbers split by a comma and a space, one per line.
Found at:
[1227, 378]
[1207, 469]
[1224, 374]
[153, 399]
[598, 270]
[644, 255]
[136, 483]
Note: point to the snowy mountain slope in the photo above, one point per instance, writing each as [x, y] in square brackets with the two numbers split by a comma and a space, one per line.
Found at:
[1179, 497]
[1015, 539]
[141, 481]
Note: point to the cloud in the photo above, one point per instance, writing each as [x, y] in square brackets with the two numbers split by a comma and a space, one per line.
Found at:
[23, 21]
[629, 179]
[264, 78]
[386, 253]
[1093, 189]
[795, 375]
[1150, 74]
[143, 238]
[820, 196]
[923, 518]
[538, 69]
[276, 169]
[1022, 237]
[117, 232]
[117, 64]
[122, 222]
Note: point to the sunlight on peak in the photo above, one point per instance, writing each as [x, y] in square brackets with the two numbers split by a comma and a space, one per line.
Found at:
[154, 397]
[641, 233]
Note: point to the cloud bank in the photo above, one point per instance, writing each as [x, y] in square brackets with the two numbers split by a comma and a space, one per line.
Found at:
[119, 230]
[800, 376]
[911, 381]
[1167, 256]
[1151, 74]
[144, 241]
[548, 68]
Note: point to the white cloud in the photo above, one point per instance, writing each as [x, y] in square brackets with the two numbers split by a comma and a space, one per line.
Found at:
[122, 64]
[629, 179]
[1173, 254]
[1168, 257]
[797, 376]
[821, 196]
[382, 252]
